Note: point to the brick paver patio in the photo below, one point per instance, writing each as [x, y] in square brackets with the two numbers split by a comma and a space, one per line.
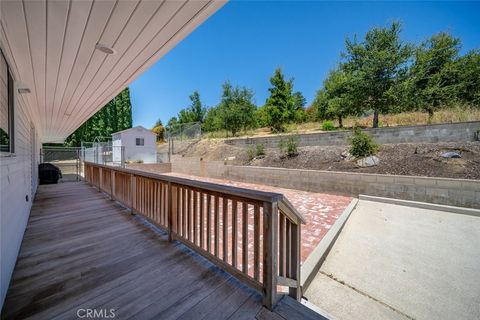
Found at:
[319, 209]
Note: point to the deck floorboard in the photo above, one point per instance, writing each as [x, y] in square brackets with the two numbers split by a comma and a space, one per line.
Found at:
[83, 251]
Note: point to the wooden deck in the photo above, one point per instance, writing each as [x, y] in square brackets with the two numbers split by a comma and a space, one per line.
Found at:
[81, 251]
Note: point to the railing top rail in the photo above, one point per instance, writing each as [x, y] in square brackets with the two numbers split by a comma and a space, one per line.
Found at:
[231, 190]
[286, 207]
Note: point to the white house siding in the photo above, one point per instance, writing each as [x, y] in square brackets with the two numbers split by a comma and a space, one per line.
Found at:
[16, 182]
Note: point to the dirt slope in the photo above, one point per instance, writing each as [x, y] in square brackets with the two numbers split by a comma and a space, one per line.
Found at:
[422, 159]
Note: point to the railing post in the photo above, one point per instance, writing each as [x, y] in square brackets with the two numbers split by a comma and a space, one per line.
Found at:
[170, 211]
[270, 249]
[133, 196]
[296, 293]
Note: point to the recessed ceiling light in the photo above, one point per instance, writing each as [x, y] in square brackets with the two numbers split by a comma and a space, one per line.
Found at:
[105, 49]
[22, 87]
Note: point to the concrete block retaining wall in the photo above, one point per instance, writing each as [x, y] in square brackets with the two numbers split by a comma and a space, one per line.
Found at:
[455, 192]
[151, 167]
[447, 132]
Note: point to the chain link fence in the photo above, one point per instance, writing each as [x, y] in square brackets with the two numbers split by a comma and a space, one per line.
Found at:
[66, 159]
[181, 136]
[103, 153]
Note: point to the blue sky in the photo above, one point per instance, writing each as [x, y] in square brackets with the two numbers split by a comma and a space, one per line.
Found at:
[246, 40]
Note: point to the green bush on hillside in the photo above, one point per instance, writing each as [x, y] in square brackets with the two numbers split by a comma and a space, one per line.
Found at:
[289, 147]
[362, 144]
[260, 150]
[328, 125]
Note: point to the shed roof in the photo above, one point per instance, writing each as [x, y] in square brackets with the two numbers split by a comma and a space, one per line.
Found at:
[137, 129]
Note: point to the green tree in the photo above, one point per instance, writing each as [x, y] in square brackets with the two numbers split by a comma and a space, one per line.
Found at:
[337, 98]
[282, 105]
[261, 116]
[172, 122]
[115, 116]
[212, 120]
[195, 112]
[299, 106]
[159, 130]
[468, 68]
[236, 109]
[434, 72]
[376, 65]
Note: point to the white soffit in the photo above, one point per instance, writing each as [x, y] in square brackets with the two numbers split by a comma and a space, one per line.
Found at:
[50, 45]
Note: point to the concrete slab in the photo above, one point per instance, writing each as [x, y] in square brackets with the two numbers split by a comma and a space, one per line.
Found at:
[342, 302]
[418, 263]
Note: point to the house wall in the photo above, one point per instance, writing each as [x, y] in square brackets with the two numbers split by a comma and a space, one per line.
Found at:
[447, 132]
[18, 184]
[147, 152]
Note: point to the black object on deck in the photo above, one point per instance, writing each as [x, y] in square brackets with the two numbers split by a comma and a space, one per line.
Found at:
[48, 173]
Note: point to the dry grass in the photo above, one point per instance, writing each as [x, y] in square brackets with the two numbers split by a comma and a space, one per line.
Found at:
[402, 119]
[416, 118]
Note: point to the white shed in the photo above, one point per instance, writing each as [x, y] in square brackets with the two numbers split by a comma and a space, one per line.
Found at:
[139, 144]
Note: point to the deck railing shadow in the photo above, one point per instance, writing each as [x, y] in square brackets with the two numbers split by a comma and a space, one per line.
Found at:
[254, 235]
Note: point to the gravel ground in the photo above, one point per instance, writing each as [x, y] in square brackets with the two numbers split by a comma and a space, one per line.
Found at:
[416, 159]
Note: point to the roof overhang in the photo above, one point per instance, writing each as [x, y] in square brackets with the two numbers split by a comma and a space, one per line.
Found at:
[51, 48]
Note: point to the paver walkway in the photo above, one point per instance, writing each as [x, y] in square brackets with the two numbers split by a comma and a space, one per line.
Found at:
[319, 209]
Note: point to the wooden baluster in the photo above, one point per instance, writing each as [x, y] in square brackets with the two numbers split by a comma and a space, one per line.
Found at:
[256, 243]
[100, 172]
[184, 213]
[202, 219]
[145, 196]
[142, 196]
[270, 234]
[164, 205]
[179, 209]
[160, 203]
[148, 189]
[288, 247]
[112, 185]
[133, 193]
[245, 238]
[281, 249]
[216, 221]
[296, 293]
[154, 200]
[195, 216]
[156, 211]
[170, 211]
[225, 228]
[234, 233]
[209, 223]
[189, 214]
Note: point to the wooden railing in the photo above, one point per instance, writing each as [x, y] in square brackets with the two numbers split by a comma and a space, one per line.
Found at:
[253, 235]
